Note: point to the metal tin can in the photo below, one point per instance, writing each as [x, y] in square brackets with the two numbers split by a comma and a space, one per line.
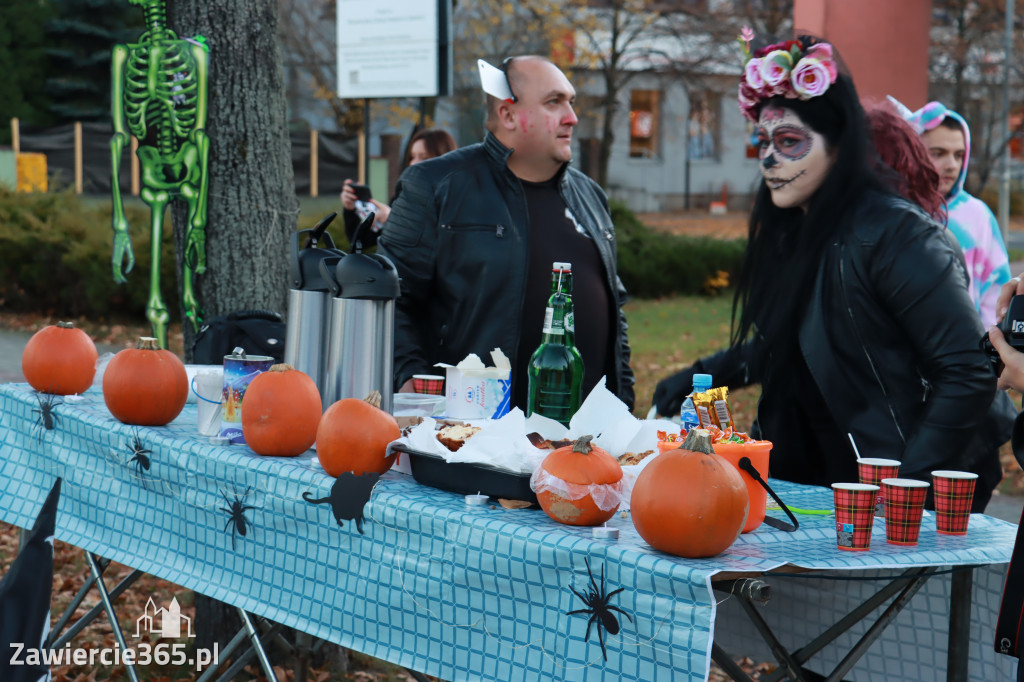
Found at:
[239, 370]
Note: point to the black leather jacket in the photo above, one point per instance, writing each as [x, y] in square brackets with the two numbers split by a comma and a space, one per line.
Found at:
[457, 235]
[891, 340]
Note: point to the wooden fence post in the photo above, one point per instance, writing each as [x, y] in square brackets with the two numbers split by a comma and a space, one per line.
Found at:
[78, 157]
[135, 165]
[16, 135]
[314, 163]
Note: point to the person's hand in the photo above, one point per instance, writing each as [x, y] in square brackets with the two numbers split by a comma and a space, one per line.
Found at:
[1010, 289]
[383, 211]
[1012, 375]
[671, 391]
[407, 387]
[348, 196]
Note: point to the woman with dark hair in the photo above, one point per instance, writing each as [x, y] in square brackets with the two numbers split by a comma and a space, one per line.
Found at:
[851, 307]
[426, 144]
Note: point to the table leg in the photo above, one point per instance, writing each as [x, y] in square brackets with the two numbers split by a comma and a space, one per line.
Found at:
[728, 665]
[111, 614]
[959, 625]
[254, 637]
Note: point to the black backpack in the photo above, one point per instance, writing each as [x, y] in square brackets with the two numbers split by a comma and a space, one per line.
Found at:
[257, 332]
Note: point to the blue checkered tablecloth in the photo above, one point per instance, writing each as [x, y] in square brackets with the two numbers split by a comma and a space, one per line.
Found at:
[460, 592]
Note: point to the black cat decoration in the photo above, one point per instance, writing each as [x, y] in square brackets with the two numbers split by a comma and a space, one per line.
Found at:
[349, 495]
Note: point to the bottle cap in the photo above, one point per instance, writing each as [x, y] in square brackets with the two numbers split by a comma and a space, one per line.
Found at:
[701, 380]
[561, 267]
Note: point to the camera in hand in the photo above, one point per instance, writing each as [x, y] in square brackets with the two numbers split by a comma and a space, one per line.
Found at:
[1012, 327]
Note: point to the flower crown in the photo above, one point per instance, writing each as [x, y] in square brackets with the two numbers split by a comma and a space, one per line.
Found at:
[784, 69]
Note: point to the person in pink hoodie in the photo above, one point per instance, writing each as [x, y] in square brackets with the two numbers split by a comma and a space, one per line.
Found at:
[948, 139]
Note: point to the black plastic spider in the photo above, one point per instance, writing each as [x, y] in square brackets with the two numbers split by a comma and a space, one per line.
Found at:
[599, 609]
[139, 457]
[236, 510]
[47, 418]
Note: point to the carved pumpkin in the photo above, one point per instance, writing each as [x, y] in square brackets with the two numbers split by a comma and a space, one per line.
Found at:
[353, 436]
[569, 479]
[689, 502]
[145, 385]
[282, 412]
[59, 359]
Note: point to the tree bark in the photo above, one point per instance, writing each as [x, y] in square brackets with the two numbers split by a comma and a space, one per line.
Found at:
[252, 207]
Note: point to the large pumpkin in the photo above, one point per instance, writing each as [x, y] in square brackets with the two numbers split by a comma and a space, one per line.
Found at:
[59, 359]
[569, 479]
[145, 385]
[353, 436]
[689, 502]
[282, 412]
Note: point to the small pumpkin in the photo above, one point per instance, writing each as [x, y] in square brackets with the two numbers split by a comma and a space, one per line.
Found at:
[568, 480]
[353, 435]
[282, 412]
[59, 359]
[690, 502]
[145, 385]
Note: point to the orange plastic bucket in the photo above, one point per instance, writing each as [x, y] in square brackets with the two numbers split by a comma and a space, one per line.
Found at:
[757, 451]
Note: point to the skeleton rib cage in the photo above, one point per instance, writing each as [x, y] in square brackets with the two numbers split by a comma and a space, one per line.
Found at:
[170, 105]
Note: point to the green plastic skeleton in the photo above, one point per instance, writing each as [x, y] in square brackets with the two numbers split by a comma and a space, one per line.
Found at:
[159, 96]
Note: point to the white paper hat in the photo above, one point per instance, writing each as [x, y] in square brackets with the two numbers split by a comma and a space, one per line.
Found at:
[494, 81]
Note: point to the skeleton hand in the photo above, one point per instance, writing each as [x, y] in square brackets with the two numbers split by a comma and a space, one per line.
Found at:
[122, 250]
[195, 250]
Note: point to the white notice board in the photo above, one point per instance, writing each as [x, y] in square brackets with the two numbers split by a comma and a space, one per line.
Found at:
[391, 48]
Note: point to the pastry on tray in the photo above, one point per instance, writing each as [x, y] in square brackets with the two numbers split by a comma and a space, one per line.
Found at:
[628, 458]
[540, 442]
[454, 436]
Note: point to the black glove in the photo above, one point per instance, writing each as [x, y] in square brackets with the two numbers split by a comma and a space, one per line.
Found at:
[671, 391]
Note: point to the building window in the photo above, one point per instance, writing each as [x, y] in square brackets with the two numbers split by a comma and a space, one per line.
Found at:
[643, 123]
[703, 125]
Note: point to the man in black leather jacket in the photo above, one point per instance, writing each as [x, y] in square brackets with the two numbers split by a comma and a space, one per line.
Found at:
[473, 235]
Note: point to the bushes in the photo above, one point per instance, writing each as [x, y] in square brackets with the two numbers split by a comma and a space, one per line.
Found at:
[653, 264]
[55, 251]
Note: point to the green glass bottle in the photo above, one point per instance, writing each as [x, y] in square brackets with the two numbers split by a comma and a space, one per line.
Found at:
[556, 367]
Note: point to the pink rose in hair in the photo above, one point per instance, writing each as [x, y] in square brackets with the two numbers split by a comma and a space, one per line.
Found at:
[748, 99]
[752, 74]
[823, 53]
[811, 78]
[775, 67]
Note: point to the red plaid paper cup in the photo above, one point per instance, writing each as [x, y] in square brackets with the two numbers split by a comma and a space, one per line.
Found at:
[904, 505]
[871, 472]
[954, 492]
[855, 515]
[431, 384]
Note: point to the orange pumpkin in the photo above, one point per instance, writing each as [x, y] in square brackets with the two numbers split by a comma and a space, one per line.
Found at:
[282, 412]
[579, 464]
[353, 436]
[145, 385]
[689, 502]
[59, 359]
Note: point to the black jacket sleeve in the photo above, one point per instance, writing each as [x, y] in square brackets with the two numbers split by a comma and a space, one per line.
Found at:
[735, 367]
[409, 241]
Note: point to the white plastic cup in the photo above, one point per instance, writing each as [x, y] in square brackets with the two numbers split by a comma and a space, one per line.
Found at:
[208, 388]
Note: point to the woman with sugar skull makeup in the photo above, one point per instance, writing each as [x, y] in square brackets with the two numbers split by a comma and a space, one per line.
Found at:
[851, 308]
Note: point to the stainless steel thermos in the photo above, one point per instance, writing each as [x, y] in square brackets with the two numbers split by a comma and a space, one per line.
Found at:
[361, 340]
[309, 303]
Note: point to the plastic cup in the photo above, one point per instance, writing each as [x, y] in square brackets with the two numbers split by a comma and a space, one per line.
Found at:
[418, 405]
[758, 452]
[872, 470]
[954, 492]
[855, 507]
[207, 387]
[904, 505]
[431, 384]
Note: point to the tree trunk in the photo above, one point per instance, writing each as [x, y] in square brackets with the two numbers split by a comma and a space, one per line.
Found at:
[252, 207]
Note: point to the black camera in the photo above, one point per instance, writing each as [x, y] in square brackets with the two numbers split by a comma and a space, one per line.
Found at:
[1012, 327]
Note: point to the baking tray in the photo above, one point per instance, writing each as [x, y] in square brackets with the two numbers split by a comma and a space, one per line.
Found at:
[467, 478]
